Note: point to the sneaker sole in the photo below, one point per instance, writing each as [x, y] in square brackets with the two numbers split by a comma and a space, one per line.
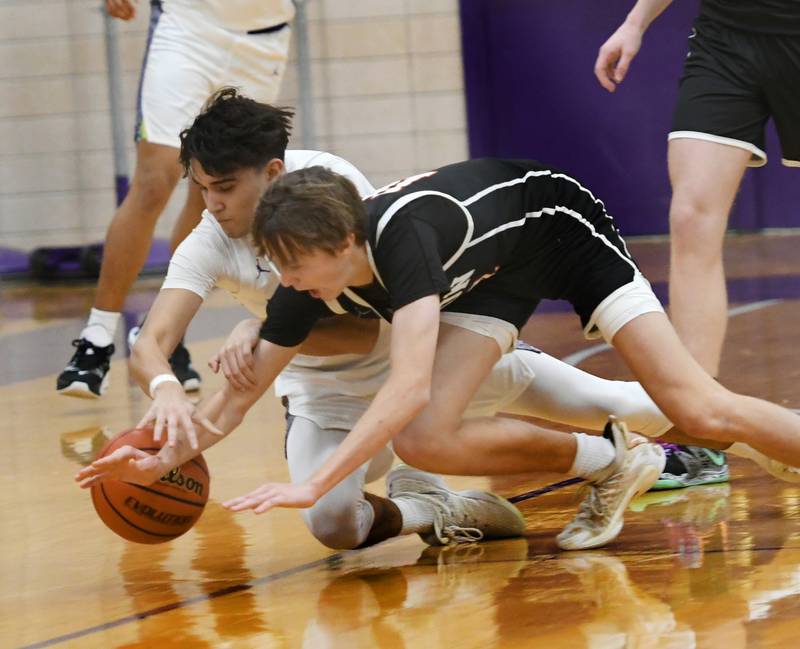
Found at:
[191, 385]
[666, 483]
[645, 479]
[80, 390]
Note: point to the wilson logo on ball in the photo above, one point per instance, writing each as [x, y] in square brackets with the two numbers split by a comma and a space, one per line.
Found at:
[176, 478]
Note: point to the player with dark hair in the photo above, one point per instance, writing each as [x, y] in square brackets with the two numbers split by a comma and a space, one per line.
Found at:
[193, 48]
[344, 360]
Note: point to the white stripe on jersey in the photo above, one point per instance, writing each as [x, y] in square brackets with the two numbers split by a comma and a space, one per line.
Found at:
[401, 203]
[405, 200]
[550, 211]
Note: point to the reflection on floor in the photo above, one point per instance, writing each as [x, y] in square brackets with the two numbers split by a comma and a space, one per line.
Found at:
[707, 567]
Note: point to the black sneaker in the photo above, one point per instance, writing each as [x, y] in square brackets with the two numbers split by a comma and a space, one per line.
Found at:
[181, 364]
[87, 373]
[688, 466]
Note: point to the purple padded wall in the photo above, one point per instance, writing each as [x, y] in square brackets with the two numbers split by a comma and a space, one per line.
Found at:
[531, 92]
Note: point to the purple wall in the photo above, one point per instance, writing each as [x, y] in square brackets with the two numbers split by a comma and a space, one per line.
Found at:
[531, 92]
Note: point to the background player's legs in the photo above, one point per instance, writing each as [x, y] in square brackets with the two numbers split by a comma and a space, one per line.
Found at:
[131, 230]
[695, 402]
[189, 216]
[705, 177]
[127, 244]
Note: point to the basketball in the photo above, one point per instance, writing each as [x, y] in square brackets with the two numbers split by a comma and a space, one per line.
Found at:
[156, 513]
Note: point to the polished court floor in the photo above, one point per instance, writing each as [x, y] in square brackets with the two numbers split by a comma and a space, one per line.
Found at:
[714, 566]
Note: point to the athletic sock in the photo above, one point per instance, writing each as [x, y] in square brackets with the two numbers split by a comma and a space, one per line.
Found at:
[101, 327]
[417, 515]
[593, 454]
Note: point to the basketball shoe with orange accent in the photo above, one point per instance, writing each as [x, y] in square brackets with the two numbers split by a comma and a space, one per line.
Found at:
[600, 516]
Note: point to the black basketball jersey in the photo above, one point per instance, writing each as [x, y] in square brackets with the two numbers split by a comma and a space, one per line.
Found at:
[762, 16]
[504, 225]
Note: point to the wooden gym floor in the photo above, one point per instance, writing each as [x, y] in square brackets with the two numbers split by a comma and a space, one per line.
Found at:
[714, 566]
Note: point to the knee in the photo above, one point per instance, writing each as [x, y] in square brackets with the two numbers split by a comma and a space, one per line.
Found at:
[151, 189]
[419, 450]
[694, 226]
[339, 527]
[712, 419]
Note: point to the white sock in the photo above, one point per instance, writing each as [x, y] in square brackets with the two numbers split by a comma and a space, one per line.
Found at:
[593, 454]
[417, 515]
[101, 327]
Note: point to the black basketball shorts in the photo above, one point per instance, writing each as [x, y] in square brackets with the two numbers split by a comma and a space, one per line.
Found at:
[733, 82]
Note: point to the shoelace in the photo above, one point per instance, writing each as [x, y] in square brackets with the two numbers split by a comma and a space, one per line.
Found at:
[445, 533]
[82, 360]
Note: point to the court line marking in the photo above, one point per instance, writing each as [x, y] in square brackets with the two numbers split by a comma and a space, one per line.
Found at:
[237, 588]
[578, 357]
[572, 359]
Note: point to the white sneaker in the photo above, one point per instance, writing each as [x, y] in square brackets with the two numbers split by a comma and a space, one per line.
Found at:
[775, 468]
[458, 517]
[600, 516]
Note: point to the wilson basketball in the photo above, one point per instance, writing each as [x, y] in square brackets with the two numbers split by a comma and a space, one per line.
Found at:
[155, 513]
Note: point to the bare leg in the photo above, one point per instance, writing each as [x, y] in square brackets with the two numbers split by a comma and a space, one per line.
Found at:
[131, 231]
[189, 216]
[568, 395]
[694, 401]
[705, 177]
[438, 439]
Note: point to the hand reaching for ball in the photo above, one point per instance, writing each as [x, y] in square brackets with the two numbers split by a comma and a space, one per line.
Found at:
[127, 463]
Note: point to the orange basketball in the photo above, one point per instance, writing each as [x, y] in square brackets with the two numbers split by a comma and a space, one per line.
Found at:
[159, 512]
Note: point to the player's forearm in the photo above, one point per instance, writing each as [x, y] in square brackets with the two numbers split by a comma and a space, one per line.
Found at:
[174, 456]
[147, 361]
[227, 407]
[392, 409]
[644, 12]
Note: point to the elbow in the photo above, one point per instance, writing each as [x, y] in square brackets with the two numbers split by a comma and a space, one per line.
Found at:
[418, 397]
[136, 361]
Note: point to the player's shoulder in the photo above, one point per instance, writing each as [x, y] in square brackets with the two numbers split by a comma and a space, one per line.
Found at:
[295, 159]
[301, 158]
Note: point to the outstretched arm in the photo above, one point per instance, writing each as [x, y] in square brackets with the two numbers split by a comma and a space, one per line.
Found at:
[405, 393]
[616, 54]
[225, 408]
[165, 325]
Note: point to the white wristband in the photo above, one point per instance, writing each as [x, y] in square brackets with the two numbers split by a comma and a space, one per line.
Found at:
[161, 378]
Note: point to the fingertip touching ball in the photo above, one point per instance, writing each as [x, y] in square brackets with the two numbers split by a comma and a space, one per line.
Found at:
[156, 513]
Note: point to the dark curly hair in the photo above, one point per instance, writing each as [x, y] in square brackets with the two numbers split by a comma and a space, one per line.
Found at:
[235, 132]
